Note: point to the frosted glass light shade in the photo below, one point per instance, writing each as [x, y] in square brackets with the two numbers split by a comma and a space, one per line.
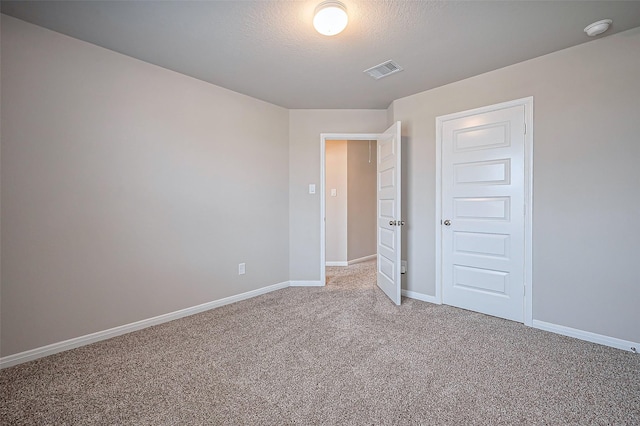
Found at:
[330, 18]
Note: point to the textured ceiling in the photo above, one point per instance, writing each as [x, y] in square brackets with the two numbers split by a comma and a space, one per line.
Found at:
[269, 49]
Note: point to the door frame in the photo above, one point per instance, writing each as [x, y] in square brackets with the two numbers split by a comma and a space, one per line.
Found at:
[324, 137]
[528, 196]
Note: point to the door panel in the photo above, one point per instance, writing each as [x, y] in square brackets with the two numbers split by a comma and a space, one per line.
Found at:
[483, 198]
[487, 208]
[481, 244]
[389, 212]
[482, 280]
[475, 137]
[495, 172]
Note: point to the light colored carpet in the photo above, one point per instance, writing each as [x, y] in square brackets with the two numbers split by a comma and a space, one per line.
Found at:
[343, 354]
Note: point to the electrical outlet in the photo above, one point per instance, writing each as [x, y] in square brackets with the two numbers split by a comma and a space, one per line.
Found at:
[241, 269]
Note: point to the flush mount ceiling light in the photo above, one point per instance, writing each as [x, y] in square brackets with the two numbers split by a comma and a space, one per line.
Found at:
[330, 18]
[598, 27]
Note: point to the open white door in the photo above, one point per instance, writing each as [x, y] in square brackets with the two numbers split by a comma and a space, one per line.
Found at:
[389, 213]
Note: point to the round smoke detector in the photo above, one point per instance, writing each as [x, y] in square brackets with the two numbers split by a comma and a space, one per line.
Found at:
[598, 27]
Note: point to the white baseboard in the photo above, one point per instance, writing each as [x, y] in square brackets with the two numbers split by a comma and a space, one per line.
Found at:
[306, 283]
[625, 345]
[336, 263]
[76, 342]
[30, 355]
[420, 296]
[362, 259]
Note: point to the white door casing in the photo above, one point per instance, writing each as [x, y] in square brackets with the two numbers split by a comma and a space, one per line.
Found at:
[389, 232]
[485, 208]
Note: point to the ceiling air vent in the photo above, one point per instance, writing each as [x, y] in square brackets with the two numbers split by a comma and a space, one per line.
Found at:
[383, 70]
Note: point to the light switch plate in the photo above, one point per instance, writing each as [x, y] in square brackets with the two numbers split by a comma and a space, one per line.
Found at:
[312, 188]
[334, 192]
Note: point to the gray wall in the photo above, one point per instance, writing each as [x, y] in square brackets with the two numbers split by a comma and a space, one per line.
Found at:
[128, 191]
[305, 127]
[586, 232]
[361, 202]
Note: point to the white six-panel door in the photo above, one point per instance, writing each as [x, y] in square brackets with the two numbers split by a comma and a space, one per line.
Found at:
[389, 212]
[483, 212]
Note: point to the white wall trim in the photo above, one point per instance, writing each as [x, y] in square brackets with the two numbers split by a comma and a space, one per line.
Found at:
[76, 342]
[340, 263]
[30, 355]
[528, 222]
[613, 342]
[363, 259]
[420, 296]
[528, 197]
[438, 222]
[306, 283]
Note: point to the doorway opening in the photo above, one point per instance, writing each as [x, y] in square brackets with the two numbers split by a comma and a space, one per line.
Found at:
[330, 139]
[350, 202]
[388, 206]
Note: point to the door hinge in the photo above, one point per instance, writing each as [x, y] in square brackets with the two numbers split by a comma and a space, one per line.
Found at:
[525, 128]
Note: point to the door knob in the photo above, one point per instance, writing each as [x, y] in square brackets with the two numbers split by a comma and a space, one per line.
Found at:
[447, 222]
[392, 222]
